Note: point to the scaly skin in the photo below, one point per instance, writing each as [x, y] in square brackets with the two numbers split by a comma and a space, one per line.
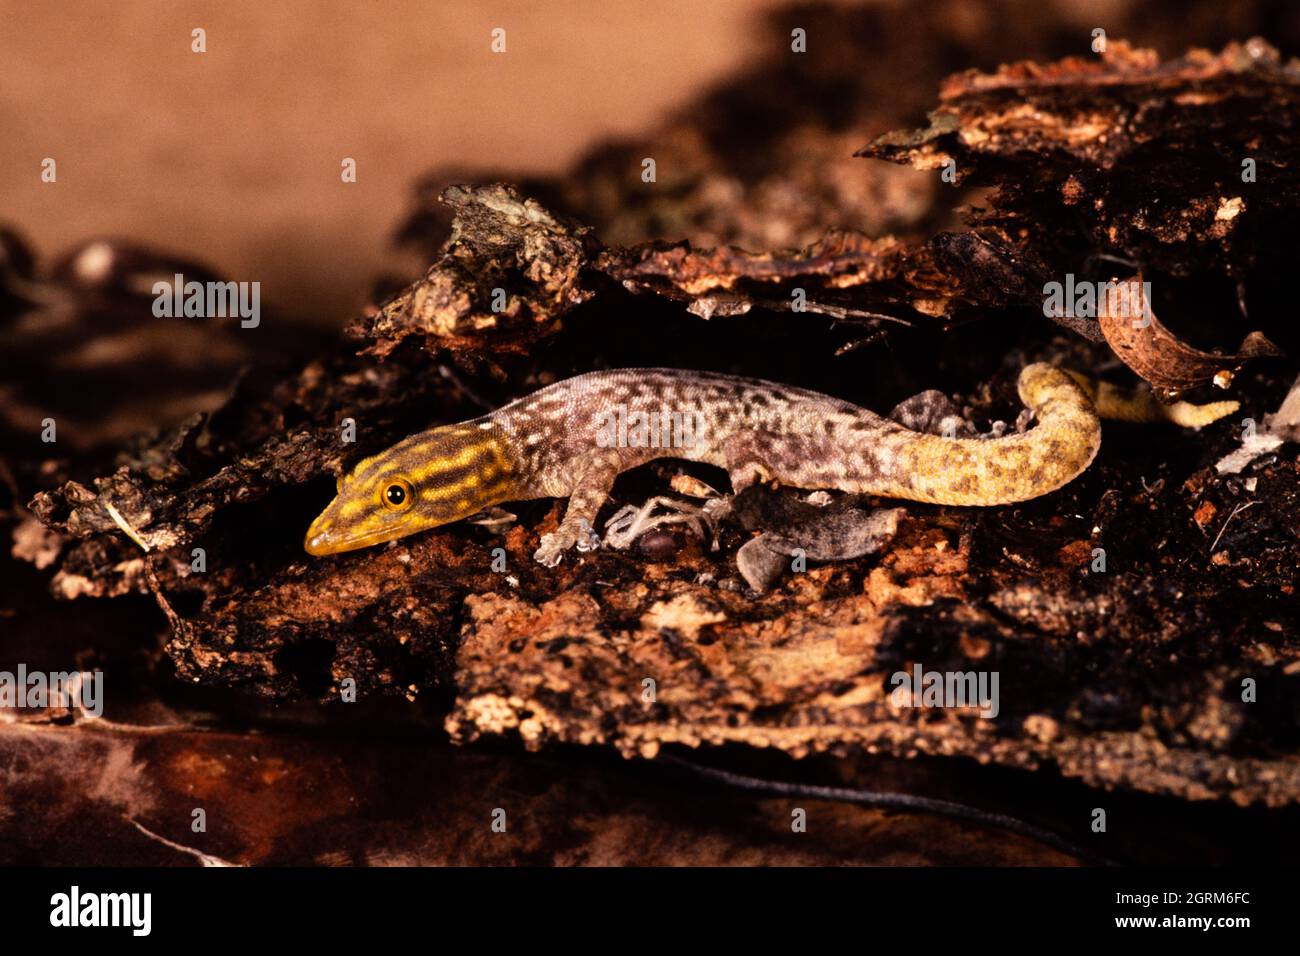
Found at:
[563, 441]
[1127, 405]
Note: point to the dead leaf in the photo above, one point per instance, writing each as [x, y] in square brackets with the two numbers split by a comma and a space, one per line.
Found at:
[1147, 347]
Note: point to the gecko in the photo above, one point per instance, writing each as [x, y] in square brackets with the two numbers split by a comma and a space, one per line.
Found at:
[571, 439]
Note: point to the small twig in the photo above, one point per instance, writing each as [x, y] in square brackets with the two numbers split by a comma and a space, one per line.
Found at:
[1235, 511]
[126, 528]
[893, 801]
[207, 859]
[826, 308]
[859, 343]
[104, 725]
[451, 375]
[155, 586]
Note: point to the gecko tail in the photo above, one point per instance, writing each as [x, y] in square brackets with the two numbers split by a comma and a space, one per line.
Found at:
[985, 472]
[1140, 405]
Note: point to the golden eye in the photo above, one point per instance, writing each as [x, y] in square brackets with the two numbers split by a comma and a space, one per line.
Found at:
[398, 495]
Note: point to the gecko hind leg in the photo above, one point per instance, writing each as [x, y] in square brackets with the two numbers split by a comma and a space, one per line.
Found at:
[743, 461]
[933, 413]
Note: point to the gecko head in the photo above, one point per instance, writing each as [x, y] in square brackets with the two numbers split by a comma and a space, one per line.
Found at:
[427, 480]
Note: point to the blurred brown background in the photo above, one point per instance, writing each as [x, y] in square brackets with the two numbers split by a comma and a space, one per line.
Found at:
[232, 157]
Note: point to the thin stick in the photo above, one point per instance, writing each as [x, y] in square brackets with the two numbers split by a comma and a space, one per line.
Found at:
[126, 528]
[893, 801]
[1235, 511]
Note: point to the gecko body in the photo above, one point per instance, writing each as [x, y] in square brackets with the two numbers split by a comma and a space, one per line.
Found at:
[573, 438]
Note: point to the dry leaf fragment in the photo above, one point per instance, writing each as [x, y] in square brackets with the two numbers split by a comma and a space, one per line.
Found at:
[1147, 347]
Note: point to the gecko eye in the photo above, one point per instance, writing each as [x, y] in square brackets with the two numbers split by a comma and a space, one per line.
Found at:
[398, 495]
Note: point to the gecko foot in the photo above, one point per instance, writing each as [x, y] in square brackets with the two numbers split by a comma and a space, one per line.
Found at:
[587, 539]
[553, 547]
[557, 542]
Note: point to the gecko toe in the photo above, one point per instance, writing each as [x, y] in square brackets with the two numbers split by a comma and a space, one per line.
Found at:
[552, 549]
[549, 557]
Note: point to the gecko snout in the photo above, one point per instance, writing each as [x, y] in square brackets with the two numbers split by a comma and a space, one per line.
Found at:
[317, 540]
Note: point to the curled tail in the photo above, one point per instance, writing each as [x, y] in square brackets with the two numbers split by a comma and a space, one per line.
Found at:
[996, 471]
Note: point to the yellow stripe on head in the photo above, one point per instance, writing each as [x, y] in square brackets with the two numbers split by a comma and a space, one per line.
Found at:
[427, 480]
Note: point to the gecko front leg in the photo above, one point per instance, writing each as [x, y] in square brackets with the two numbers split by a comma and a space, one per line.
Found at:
[589, 492]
